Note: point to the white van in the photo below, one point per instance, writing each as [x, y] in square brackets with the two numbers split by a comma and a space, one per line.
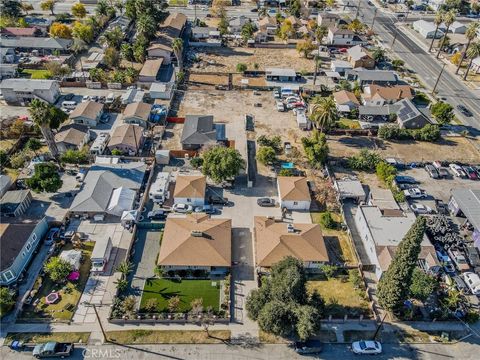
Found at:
[69, 105]
[473, 282]
[110, 98]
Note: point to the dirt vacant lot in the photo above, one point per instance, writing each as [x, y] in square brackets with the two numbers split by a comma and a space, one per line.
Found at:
[449, 149]
[226, 59]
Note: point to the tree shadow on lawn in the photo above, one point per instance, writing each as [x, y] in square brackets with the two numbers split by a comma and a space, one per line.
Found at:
[164, 294]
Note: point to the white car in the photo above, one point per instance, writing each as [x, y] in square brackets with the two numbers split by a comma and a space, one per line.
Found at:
[365, 347]
[415, 193]
[182, 208]
[280, 106]
[421, 209]
[473, 282]
[457, 170]
[85, 98]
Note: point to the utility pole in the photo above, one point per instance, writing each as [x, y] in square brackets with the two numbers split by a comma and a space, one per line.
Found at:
[358, 9]
[438, 79]
[374, 17]
[98, 319]
[195, 10]
[394, 37]
[379, 326]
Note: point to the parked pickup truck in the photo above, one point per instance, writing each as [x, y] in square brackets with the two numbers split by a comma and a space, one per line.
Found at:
[53, 349]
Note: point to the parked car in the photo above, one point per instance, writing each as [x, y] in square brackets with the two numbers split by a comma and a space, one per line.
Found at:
[105, 118]
[402, 179]
[415, 193]
[69, 96]
[473, 256]
[364, 347]
[182, 208]
[464, 111]
[218, 200]
[110, 98]
[459, 260]
[266, 202]
[443, 172]
[53, 349]
[421, 209]
[52, 234]
[157, 215]
[280, 106]
[308, 347]
[459, 284]
[457, 170]
[207, 209]
[470, 172]
[432, 171]
[85, 98]
[441, 207]
[94, 98]
[473, 282]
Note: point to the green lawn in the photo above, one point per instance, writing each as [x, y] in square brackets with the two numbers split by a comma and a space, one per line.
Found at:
[37, 74]
[349, 124]
[168, 336]
[76, 337]
[178, 2]
[70, 293]
[187, 290]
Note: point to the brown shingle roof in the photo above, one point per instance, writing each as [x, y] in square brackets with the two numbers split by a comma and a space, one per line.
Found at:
[88, 109]
[196, 240]
[385, 255]
[174, 24]
[293, 188]
[126, 134]
[71, 134]
[393, 93]
[273, 242]
[343, 97]
[138, 109]
[151, 67]
[190, 186]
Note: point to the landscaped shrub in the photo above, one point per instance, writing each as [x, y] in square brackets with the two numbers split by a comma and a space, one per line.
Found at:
[327, 221]
[365, 161]
[429, 133]
[329, 270]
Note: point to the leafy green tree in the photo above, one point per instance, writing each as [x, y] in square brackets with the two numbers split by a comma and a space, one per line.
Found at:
[223, 23]
[442, 112]
[7, 300]
[316, 148]
[305, 47]
[282, 305]
[248, 29]
[472, 53]
[116, 152]
[126, 51]
[365, 161]
[121, 284]
[74, 156]
[378, 54]
[394, 285]
[104, 8]
[241, 67]
[83, 32]
[57, 269]
[327, 221]
[177, 47]
[266, 155]
[385, 172]
[33, 145]
[45, 178]
[10, 8]
[222, 163]
[285, 172]
[112, 57]
[48, 5]
[3, 158]
[79, 11]
[470, 34]
[112, 38]
[323, 112]
[448, 19]
[147, 25]
[125, 268]
[196, 162]
[423, 285]
[294, 8]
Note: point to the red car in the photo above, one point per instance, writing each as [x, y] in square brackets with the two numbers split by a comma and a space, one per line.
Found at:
[343, 50]
[471, 173]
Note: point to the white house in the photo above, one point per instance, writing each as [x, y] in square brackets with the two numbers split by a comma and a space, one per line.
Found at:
[341, 37]
[340, 66]
[235, 25]
[190, 190]
[87, 113]
[475, 67]
[435, 4]
[293, 192]
[457, 28]
[25, 90]
[427, 29]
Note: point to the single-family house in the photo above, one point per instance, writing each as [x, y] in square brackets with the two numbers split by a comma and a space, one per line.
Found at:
[18, 242]
[435, 4]
[8, 71]
[293, 192]
[21, 31]
[137, 113]
[15, 202]
[466, 202]
[190, 190]
[39, 45]
[162, 90]
[350, 189]
[359, 57]
[275, 240]
[18, 91]
[150, 70]
[343, 37]
[377, 95]
[87, 113]
[382, 198]
[381, 232]
[340, 66]
[346, 101]
[127, 138]
[200, 33]
[42, 23]
[268, 24]
[457, 28]
[374, 113]
[475, 67]
[173, 27]
[366, 77]
[72, 137]
[7, 55]
[235, 24]
[328, 20]
[107, 189]
[197, 242]
[161, 48]
[427, 29]
[280, 75]
[5, 183]
[408, 116]
[199, 130]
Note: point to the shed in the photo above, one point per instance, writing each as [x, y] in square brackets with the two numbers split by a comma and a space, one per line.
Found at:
[73, 257]
[350, 189]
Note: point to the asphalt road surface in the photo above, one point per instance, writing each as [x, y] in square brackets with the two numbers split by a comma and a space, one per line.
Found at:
[425, 65]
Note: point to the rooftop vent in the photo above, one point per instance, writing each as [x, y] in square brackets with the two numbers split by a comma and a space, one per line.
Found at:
[290, 228]
[197, 233]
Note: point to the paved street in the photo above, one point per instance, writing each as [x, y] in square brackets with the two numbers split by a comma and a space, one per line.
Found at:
[464, 351]
[424, 64]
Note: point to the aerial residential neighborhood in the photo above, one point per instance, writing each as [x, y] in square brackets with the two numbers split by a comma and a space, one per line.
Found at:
[197, 179]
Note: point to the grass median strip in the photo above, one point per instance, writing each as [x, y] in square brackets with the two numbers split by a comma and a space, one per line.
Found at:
[169, 336]
[75, 337]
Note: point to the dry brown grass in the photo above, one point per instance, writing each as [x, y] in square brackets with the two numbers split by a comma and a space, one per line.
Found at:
[168, 336]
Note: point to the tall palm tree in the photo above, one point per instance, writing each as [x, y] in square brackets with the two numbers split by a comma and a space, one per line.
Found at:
[318, 61]
[40, 112]
[112, 38]
[78, 47]
[437, 21]
[448, 20]
[177, 47]
[472, 53]
[323, 112]
[320, 33]
[146, 25]
[470, 34]
[125, 267]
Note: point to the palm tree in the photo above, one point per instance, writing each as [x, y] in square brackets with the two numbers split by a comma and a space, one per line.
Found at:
[125, 268]
[320, 33]
[323, 112]
[146, 25]
[437, 21]
[40, 112]
[79, 46]
[112, 38]
[177, 47]
[33, 145]
[472, 53]
[448, 20]
[470, 34]
[318, 61]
